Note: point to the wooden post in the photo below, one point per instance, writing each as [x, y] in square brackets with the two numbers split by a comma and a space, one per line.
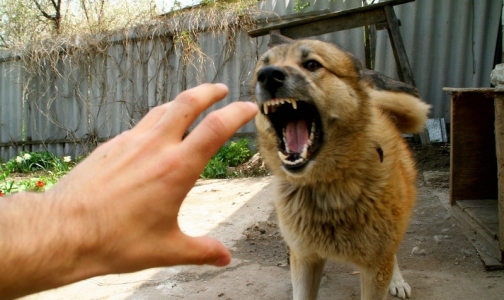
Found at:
[499, 143]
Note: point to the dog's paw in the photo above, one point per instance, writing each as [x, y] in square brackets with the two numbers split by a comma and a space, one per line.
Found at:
[400, 288]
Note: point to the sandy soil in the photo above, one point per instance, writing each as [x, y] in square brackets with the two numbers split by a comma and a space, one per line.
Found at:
[436, 258]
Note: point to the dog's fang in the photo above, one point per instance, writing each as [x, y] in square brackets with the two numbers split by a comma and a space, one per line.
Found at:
[294, 103]
[265, 108]
[282, 156]
[313, 128]
[304, 153]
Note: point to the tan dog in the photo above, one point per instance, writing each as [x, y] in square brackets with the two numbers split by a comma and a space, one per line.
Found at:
[345, 179]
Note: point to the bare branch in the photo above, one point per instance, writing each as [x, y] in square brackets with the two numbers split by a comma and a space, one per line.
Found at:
[44, 13]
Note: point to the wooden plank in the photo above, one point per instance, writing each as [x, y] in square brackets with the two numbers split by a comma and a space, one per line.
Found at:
[343, 22]
[490, 203]
[491, 92]
[401, 58]
[473, 230]
[499, 143]
[484, 213]
[473, 163]
[326, 19]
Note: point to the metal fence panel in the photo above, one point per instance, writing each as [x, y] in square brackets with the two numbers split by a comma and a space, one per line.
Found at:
[449, 43]
[11, 108]
[84, 100]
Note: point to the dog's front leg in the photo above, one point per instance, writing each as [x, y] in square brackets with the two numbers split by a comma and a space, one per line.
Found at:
[398, 286]
[375, 279]
[306, 272]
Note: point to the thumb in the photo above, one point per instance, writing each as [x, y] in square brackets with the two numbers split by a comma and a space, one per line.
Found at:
[206, 251]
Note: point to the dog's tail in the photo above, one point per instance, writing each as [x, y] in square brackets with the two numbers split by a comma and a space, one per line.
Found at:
[409, 113]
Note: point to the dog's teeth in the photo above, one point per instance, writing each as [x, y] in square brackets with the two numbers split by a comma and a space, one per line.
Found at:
[293, 163]
[265, 108]
[304, 154]
[310, 141]
[294, 103]
[313, 127]
[288, 100]
[282, 156]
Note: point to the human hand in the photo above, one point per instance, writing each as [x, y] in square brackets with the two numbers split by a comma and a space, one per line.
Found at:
[125, 197]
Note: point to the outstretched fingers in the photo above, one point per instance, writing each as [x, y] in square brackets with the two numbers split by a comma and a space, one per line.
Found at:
[203, 251]
[176, 116]
[215, 129]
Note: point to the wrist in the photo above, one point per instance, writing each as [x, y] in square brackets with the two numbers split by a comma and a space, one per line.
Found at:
[43, 244]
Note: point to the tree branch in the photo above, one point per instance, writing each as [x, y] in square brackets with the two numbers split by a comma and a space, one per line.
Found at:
[45, 14]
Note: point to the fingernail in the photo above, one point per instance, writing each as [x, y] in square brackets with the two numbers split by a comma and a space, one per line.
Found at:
[252, 104]
[222, 261]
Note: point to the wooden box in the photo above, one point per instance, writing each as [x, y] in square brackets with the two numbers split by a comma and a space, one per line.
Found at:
[477, 168]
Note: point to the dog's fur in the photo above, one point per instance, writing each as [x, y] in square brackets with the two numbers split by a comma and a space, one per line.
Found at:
[351, 198]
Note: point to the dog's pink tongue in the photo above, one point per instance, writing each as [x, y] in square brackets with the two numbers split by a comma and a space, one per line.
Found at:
[297, 135]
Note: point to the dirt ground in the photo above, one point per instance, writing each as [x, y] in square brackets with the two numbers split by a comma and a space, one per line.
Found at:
[436, 258]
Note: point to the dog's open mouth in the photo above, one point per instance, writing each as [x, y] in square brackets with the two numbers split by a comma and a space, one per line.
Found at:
[299, 130]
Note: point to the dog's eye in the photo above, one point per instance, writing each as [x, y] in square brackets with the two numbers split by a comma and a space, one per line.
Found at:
[312, 65]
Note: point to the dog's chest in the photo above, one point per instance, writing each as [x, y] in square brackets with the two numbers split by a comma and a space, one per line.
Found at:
[327, 222]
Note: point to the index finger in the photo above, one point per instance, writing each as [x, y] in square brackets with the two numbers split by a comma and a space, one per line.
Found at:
[215, 129]
[187, 106]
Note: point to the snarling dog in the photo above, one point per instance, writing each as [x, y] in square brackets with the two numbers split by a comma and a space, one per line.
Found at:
[344, 177]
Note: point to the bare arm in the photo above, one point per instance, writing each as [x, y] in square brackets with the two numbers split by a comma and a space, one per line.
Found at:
[117, 210]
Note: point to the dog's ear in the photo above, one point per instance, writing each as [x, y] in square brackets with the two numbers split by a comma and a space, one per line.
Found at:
[277, 39]
[357, 64]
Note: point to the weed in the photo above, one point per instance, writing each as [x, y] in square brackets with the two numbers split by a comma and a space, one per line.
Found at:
[236, 153]
[299, 6]
[215, 169]
[47, 165]
[231, 155]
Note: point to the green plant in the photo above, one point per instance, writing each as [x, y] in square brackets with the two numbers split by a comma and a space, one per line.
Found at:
[6, 185]
[231, 155]
[48, 167]
[235, 153]
[299, 6]
[27, 162]
[215, 169]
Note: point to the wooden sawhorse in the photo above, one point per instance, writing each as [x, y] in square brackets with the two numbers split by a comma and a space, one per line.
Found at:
[381, 15]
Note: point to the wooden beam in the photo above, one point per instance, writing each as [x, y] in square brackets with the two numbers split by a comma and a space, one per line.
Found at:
[402, 63]
[51, 142]
[333, 21]
[343, 22]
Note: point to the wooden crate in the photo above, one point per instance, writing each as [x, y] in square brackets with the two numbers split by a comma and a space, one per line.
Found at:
[477, 168]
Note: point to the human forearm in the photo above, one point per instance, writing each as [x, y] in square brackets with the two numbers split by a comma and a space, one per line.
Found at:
[42, 245]
[117, 210]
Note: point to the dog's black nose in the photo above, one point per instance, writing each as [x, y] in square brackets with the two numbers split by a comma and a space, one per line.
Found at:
[271, 79]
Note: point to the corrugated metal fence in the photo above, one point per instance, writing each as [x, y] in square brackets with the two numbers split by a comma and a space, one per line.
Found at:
[76, 101]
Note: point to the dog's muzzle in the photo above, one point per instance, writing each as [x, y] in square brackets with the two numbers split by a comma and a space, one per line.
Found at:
[296, 121]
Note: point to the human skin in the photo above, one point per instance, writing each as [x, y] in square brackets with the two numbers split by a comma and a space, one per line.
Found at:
[116, 211]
